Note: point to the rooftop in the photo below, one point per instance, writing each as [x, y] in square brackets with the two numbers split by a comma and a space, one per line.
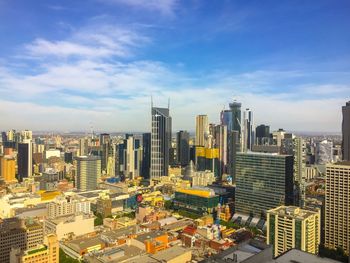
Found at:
[143, 237]
[298, 256]
[83, 243]
[292, 212]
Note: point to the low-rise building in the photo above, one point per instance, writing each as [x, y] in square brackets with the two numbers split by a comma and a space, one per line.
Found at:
[67, 226]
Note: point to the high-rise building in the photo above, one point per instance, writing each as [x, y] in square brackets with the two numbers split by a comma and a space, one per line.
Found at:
[263, 181]
[208, 160]
[24, 160]
[26, 135]
[233, 148]
[324, 152]
[88, 172]
[131, 156]
[160, 142]
[346, 132]
[105, 142]
[146, 155]
[183, 148]
[248, 130]
[83, 147]
[262, 131]
[292, 227]
[236, 117]
[299, 154]
[226, 119]
[220, 142]
[13, 234]
[8, 168]
[202, 130]
[337, 206]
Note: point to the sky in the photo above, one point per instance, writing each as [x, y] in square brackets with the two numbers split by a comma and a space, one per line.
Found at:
[69, 65]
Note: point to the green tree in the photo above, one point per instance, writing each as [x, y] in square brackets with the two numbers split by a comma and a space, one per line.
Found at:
[64, 258]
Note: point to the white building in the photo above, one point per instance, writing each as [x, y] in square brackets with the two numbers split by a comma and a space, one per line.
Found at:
[66, 226]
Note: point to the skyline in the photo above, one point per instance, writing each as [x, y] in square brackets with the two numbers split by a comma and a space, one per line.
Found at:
[66, 67]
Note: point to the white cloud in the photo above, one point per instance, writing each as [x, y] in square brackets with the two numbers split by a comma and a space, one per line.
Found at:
[89, 42]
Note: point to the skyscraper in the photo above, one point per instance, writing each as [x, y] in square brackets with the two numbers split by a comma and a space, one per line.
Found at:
[202, 130]
[146, 158]
[337, 206]
[160, 142]
[88, 172]
[104, 150]
[226, 119]
[236, 117]
[299, 153]
[183, 148]
[220, 138]
[248, 131]
[346, 132]
[130, 161]
[24, 160]
[263, 181]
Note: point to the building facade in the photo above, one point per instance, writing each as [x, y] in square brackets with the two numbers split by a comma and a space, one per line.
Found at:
[24, 160]
[263, 181]
[346, 132]
[337, 206]
[202, 130]
[160, 142]
[88, 172]
[292, 227]
[183, 148]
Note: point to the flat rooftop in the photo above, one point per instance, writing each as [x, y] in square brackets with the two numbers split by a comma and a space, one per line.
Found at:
[298, 256]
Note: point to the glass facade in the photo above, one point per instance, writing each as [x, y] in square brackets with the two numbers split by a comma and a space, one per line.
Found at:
[195, 203]
[263, 181]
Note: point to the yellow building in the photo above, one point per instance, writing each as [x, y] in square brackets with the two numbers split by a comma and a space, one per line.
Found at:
[337, 206]
[8, 168]
[292, 227]
[47, 253]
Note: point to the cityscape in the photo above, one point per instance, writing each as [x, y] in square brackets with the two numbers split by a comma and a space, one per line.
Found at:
[131, 135]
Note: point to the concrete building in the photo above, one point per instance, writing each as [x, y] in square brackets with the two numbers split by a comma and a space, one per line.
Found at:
[346, 132]
[160, 142]
[63, 206]
[263, 181]
[35, 233]
[13, 234]
[202, 130]
[52, 153]
[88, 172]
[203, 178]
[45, 253]
[67, 226]
[337, 206]
[292, 227]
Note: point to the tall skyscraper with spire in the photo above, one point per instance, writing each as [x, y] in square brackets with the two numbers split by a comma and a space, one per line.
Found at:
[160, 142]
[346, 132]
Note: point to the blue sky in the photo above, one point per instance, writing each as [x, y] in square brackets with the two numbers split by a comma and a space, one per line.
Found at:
[66, 64]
